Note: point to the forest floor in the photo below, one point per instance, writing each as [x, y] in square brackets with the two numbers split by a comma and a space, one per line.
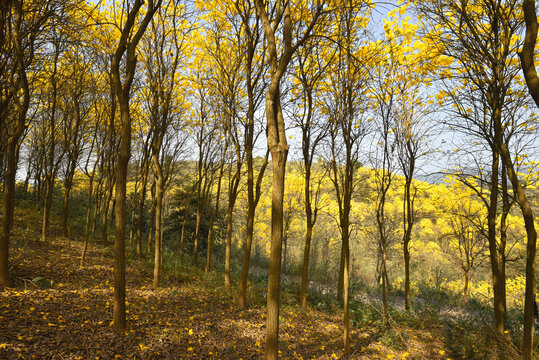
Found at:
[189, 317]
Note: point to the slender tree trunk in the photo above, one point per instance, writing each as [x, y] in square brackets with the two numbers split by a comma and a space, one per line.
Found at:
[158, 220]
[308, 237]
[408, 224]
[47, 207]
[466, 291]
[119, 320]
[278, 157]
[105, 215]
[126, 46]
[215, 211]
[152, 221]
[253, 196]
[228, 242]
[8, 211]
[97, 208]
[503, 237]
[87, 223]
[140, 218]
[66, 230]
[232, 196]
[499, 310]
[132, 223]
[531, 248]
[346, 286]
[384, 283]
[242, 301]
[185, 216]
[197, 229]
[406, 278]
[38, 191]
[340, 281]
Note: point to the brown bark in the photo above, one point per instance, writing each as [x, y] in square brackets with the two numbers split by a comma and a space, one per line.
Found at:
[87, 222]
[253, 79]
[127, 45]
[197, 224]
[105, 214]
[149, 241]
[232, 196]
[340, 280]
[185, 217]
[49, 182]
[278, 147]
[408, 215]
[140, 220]
[530, 74]
[9, 209]
[499, 310]
[528, 49]
[253, 196]
[215, 211]
[531, 248]
[159, 192]
[133, 213]
[22, 104]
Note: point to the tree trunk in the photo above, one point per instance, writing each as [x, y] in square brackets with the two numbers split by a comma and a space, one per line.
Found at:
[49, 179]
[215, 211]
[466, 290]
[228, 248]
[278, 157]
[253, 196]
[384, 283]
[346, 286]
[499, 311]
[140, 218]
[119, 321]
[66, 229]
[528, 66]
[132, 222]
[9, 207]
[105, 215]
[126, 46]
[531, 248]
[232, 196]
[87, 223]
[408, 224]
[340, 281]
[406, 278]
[158, 220]
[228, 241]
[308, 237]
[185, 216]
[152, 221]
[197, 228]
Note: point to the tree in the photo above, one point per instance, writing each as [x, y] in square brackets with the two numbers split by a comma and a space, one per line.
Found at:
[280, 54]
[532, 81]
[163, 54]
[312, 62]
[254, 74]
[412, 71]
[484, 37]
[466, 242]
[53, 82]
[345, 107]
[131, 32]
[21, 29]
[75, 128]
[384, 161]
